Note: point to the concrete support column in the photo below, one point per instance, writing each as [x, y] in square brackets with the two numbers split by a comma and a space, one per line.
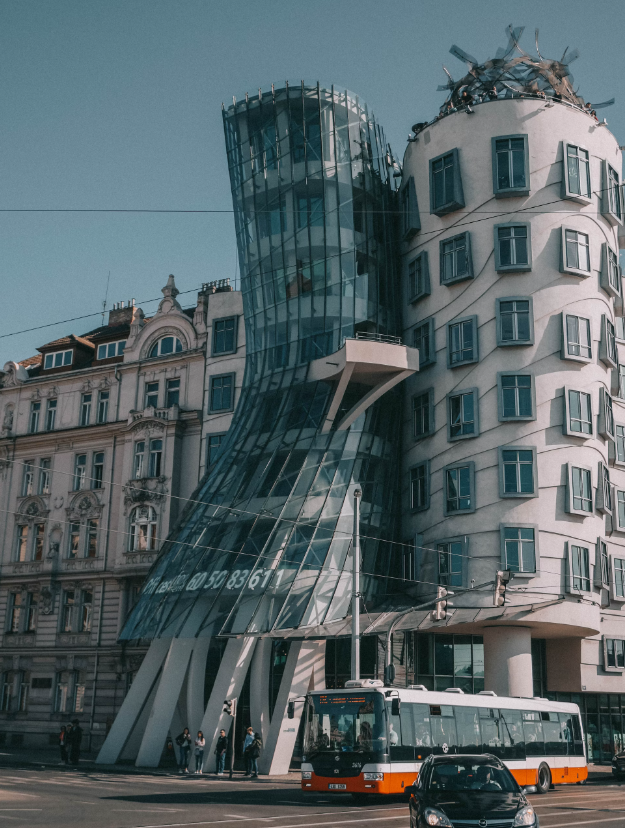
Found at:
[508, 661]
[259, 682]
[134, 702]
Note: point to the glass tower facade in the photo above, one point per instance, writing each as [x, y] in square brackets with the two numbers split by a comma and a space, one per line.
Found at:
[263, 544]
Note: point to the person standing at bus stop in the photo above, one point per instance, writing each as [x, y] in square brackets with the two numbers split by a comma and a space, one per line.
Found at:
[220, 752]
[247, 743]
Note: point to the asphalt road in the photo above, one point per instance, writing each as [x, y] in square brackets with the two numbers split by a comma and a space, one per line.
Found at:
[67, 798]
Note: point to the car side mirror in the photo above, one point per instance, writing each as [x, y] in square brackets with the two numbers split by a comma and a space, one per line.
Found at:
[529, 789]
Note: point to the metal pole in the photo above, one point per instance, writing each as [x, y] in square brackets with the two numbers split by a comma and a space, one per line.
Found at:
[356, 588]
[233, 736]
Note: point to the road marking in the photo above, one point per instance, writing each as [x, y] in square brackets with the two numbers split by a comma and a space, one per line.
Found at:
[585, 822]
[291, 816]
[303, 824]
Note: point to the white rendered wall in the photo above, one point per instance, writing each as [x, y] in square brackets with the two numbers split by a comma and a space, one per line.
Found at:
[552, 292]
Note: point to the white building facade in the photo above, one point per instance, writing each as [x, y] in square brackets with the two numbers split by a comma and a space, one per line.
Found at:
[104, 439]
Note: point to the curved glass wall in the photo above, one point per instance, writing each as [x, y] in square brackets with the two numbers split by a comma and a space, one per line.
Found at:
[263, 544]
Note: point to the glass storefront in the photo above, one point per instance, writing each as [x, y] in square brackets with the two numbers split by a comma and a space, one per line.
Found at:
[603, 716]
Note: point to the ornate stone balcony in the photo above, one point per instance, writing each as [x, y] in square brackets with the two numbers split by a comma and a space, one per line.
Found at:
[151, 412]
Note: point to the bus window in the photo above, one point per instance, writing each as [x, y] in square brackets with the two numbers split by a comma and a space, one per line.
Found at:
[415, 741]
[578, 740]
[443, 726]
[566, 731]
[492, 741]
[511, 729]
[468, 729]
[533, 732]
[554, 742]
[422, 734]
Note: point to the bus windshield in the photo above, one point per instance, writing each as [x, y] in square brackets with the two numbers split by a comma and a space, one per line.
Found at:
[350, 722]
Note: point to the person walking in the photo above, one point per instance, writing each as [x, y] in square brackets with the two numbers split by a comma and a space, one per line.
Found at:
[184, 742]
[75, 739]
[254, 750]
[249, 738]
[63, 742]
[220, 752]
[200, 742]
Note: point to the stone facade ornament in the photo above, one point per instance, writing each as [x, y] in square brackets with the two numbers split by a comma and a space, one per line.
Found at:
[84, 506]
[7, 420]
[145, 490]
[14, 375]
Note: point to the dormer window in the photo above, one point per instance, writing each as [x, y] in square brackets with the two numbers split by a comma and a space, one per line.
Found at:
[108, 350]
[59, 359]
[166, 345]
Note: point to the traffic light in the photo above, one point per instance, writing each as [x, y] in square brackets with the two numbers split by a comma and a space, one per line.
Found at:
[230, 707]
[439, 613]
[499, 595]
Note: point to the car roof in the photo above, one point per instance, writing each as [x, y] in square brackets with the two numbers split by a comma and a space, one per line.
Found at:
[476, 758]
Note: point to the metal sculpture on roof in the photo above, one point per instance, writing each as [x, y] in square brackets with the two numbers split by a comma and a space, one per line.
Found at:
[514, 72]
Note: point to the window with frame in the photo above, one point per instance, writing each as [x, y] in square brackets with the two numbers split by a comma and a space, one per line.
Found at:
[423, 414]
[514, 321]
[419, 486]
[463, 414]
[68, 610]
[97, 470]
[224, 335]
[103, 406]
[166, 345]
[91, 539]
[575, 252]
[462, 341]
[50, 414]
[45, 472]
[410, 222]
[576, 179]
[602, 564]
[33, 420]
[580, 490]
[512, 247]
[213, 444]
[151, 395]
[611, 202]
[172, 392]
[28, 478]
[15, 612]
[273, 221]
[459, 496]
[604, 490]
[419, 277]
[86, 606]
[619, 443]
[155, 458]
[450, 555]
[614, 654]
[455, 259]
[610, 271]
[577, 338]
[39, 535]
[222, 393]
[8, 682]
[73, 548]
[607, 346]
[142, 536]
[578, 412]
[510, 165]
[618, 577]
[309, 210]
[80, 472]
[620, 510]
[580, 568]
[517, 468]
[516, 395]
[423, 340]
[519, 549]
[21, 545]
[139, 459]
[606, 415]
[58, 359]
[85, 409]
[31, 613]
[108, 350]
[445, 184]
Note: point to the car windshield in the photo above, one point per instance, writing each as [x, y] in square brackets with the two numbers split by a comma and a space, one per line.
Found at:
[471, 776]
[347, 723]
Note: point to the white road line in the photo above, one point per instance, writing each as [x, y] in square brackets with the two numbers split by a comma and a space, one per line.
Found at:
[292, 816]
[585, 822]
[293, 825]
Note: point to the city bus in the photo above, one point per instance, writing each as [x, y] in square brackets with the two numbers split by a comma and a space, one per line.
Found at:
[368, 738]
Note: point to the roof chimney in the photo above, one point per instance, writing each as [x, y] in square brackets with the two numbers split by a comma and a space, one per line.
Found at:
[121, 313]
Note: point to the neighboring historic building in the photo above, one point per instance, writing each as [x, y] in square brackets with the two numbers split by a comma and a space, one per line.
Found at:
[100, 448]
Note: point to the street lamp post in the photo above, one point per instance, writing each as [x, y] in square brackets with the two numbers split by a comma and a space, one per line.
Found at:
[356, 588]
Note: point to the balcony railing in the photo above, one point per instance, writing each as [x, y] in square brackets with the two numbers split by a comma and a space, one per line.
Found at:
[376, 337]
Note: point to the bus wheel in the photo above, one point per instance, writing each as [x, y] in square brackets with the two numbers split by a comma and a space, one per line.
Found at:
[543, 782]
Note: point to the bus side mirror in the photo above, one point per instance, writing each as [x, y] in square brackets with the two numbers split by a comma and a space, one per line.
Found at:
[395, 706]
[291, 710]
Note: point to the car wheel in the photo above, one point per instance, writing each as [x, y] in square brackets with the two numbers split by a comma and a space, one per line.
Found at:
[543, 779]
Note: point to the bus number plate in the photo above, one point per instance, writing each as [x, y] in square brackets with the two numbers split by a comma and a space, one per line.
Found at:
[337, 787]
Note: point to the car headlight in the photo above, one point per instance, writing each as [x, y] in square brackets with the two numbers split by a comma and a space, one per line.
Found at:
[370, 777]
[525, 816]
[306, 774]
[434, 817]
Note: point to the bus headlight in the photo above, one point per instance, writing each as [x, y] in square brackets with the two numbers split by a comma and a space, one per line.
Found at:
[434, 817]
[525, 816]
[306, 774]
[373, 777]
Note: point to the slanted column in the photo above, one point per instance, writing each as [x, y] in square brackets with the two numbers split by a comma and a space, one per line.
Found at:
[508, 661]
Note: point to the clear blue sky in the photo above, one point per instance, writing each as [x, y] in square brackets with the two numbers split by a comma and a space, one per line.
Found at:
[116, 104]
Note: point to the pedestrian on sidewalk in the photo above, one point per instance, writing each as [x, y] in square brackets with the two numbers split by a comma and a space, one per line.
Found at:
[63, 744]
[254, 750]
[249, 738]
[220, 752]
[184, 742]
[75, 739]
[200, 742]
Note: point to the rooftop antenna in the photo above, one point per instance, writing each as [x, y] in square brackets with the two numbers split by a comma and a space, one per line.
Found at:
[106, 296]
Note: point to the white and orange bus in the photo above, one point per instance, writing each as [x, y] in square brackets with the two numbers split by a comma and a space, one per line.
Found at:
[369, 738]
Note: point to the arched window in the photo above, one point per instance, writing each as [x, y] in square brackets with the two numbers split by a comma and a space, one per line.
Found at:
[166, 345]
[142, 529]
